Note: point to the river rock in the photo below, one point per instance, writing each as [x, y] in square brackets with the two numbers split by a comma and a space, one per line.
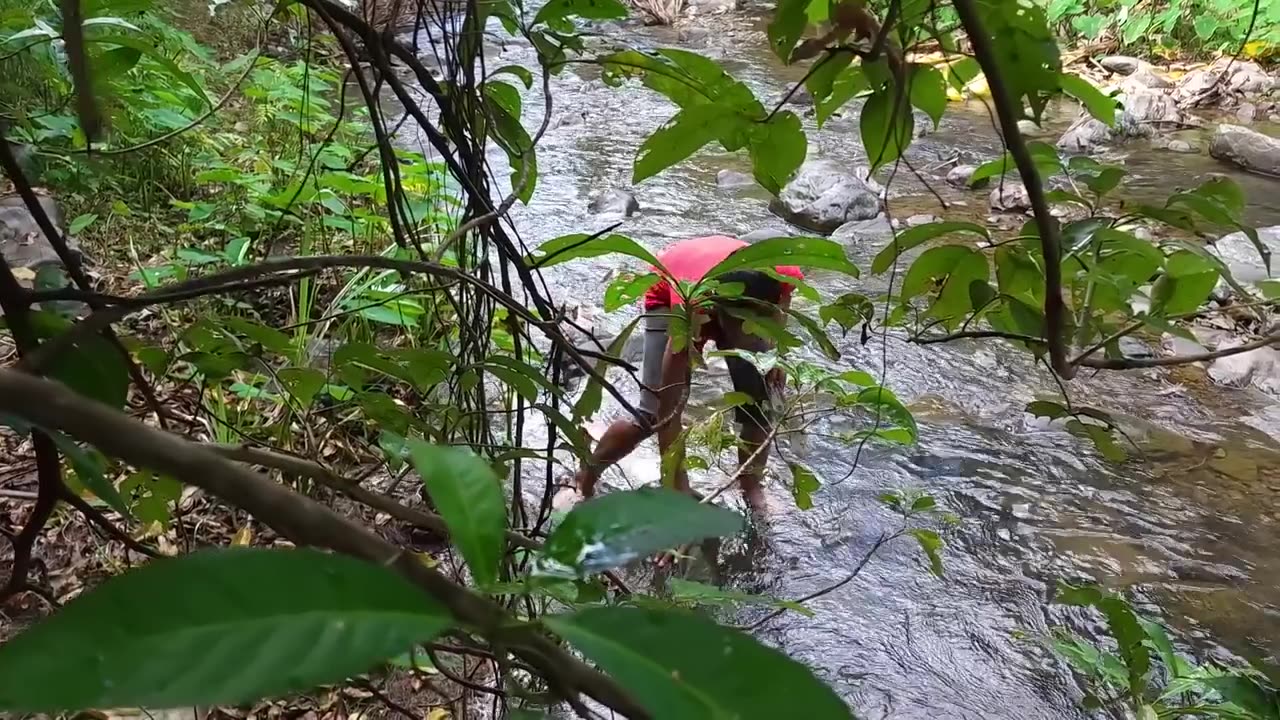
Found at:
[1243, 259]
[1009, 196]
[1225, 79]
[1030, 129]
[1122, 64]
[1143, 110]
[1146, 77]
[921, 219]
[1181, 146]
[1246, 148]
[823, 196]
[1260, 368]
[733, 179]
[1247, 113]
[875, 230]
[960, 175]
[801, 97]
[615, 202]
[709, 7]
[21, 241]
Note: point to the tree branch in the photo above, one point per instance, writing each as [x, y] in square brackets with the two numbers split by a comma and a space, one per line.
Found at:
[1008, 111]
[302, 520]
[1128, 363]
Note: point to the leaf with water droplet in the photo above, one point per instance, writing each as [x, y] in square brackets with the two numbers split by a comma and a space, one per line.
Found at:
[615, 529]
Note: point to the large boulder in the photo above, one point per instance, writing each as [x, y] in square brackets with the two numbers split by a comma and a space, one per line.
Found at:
[615, 202]
[28, 252]
[767, 233]
[960, 175]
[823, 196]
[1224, 80]
[1246, 148]
[1144, 110]
[1259, 367]
[1122, 64]
[734, 179]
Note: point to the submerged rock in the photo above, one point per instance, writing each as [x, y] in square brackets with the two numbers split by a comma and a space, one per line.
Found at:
[767, 233]
[1143, 110]
[1009, 196]
[1259, 368]
[1122, 64]
[961, 174]
[1246, 148]
[823, 196]
[732, 179]
[615, 202]
[1224, 80]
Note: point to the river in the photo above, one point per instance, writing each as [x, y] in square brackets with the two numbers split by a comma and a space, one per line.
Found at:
[1189, 526]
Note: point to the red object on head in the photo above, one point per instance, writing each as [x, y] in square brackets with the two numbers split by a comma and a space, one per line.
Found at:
[689, 260]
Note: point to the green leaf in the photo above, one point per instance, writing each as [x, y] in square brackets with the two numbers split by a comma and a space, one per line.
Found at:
[1025, 53]
[1100, 106]
[269, 338]
[805, 252]
[886, 125]
[851, 82]
[1045, 408]
[303, 384]
[469, 498]
[627, 288]
[1101, 438]
[151, 51]
[777, 149]
[788, 24]
[816, 332]
[931, 545]
[522, 384]
[1174, 666]
[680, 666]
[1124, 627]
[803, 484]
[514, 139]
[928, 91]
[580, 245]
[1176, 294]
[691, 591]
[822, 77]
[80, 222]
[918, 235]
[612, 530]
[521, 72]
[848, 311]
[588, 9]
[94, 368]
[283, 620]
[589, 402]
[889, 406]
[1245, 693]
[681, 136]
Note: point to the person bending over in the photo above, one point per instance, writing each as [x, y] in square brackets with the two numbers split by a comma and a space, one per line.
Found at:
[665, 371]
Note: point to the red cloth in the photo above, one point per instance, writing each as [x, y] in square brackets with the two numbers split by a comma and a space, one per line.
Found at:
[689, 260]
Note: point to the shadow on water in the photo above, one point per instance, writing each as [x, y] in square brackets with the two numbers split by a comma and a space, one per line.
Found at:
[1188, 524]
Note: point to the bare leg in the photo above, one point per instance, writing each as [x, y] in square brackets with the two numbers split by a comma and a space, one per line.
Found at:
[751, 469]
[671, 400]
[622, 437]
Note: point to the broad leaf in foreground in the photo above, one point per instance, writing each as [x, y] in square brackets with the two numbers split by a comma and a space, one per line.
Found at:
[213, 628]
[679, 665]
[615, 529]
[469, 498]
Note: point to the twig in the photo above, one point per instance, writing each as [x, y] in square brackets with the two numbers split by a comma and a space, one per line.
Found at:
[973, 334]
[298, 518]
[18, 494]
[96, 517]
[1127, 363]
[875, 547]
[1008, 112]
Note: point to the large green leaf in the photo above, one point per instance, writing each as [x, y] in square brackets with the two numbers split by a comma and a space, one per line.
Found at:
[928, 91]
[918, 235]
[615, 529]
[886, 125]
[848, 84]
[681, 136]
[589, 9]
[1026, 54]
[513, 139]
[1099, 105]
[806, 252]
[777, 149]
[580, 245]
[94, 368]
[788, 24]
[680, 666]
[150, 50]
[469, 498]
[803, 485]
[691, 591]
[218, 627]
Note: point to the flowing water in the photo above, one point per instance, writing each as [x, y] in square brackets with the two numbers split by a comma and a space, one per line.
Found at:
[1189, 525]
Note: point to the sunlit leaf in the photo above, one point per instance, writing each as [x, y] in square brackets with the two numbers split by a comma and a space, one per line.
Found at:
[469, 498]
[918, 235]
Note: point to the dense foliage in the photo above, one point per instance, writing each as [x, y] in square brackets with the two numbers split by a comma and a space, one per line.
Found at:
[319, 287]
